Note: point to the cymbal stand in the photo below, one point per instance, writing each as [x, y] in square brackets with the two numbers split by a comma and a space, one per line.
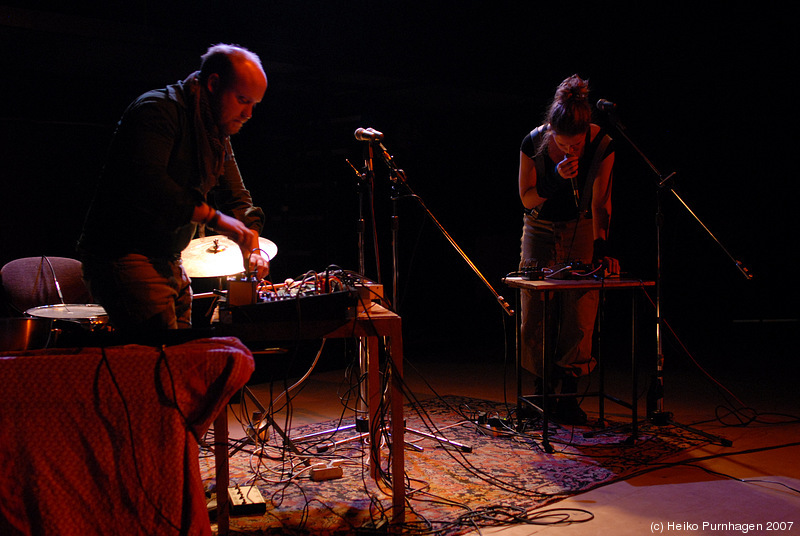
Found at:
[655, 395]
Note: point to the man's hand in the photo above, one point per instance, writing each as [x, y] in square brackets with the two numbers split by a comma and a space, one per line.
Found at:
[258, 263]
[232, 228]
[247, 240]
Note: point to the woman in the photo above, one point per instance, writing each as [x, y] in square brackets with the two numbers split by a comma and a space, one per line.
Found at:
[565, 171]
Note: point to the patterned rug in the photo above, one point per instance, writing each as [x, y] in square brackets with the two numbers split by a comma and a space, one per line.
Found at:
[489, 476]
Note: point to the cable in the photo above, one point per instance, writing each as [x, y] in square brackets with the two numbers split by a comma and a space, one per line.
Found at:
[105, 363]
[420, 488]
[745, 414]
[693, 462]
[55, 279]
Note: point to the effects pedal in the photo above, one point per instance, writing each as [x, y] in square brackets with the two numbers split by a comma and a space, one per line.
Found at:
[246, 500]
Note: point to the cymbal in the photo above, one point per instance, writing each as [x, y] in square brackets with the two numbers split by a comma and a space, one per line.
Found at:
[80, 311]
[217, 256]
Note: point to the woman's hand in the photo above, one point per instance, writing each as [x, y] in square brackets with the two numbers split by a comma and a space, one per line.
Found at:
[610, 266]
[600, 257]
[568, 167]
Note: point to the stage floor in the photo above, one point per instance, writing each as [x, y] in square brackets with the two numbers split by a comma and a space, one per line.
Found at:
[668, 500]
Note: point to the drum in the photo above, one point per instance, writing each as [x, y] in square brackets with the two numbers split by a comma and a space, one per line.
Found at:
[24, 334]
[90, 314]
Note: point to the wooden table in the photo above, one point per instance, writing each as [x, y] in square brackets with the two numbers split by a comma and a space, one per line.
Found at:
[548, 287]
[374, 322]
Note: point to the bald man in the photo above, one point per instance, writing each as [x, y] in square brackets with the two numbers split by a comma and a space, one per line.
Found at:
[170, 168]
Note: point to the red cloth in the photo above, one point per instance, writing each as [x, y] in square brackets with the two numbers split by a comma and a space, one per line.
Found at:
[97, 441]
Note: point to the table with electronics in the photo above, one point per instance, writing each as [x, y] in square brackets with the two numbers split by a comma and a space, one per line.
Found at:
[549, 287]
[320, 314]
[371, 323]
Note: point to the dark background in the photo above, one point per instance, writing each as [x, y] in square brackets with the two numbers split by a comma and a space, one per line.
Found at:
[706, 92]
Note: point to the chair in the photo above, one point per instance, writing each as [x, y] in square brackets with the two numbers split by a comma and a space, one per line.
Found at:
[36, 281]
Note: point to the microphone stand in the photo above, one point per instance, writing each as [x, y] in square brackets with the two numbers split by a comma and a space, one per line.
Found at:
[398, 178]
[395, 232]
[655, 395]
[365, 183]
[369, 182]
[362, 425]
[361, 182]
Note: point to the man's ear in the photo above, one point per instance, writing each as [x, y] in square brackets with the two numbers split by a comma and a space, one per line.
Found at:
[212, 83]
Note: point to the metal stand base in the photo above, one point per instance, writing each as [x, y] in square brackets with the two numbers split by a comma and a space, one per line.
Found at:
[324, 448]
[664, 418]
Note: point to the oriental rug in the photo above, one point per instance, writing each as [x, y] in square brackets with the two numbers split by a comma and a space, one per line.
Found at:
[491, 475]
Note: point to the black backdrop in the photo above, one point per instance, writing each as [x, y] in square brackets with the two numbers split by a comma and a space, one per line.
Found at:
[454, 86]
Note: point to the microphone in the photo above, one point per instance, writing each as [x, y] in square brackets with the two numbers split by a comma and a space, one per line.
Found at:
[575, 192]
[606, 106]
[368, 134]
[574, 183]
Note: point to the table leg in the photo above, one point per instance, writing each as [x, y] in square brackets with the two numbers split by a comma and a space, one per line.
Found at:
[398, 431]
[374, 406]
[547, 346]
[222, 471]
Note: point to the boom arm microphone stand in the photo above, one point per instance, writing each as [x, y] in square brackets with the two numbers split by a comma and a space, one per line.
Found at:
[398, 178]
[366, 182]
[373, 137]
[655, 396]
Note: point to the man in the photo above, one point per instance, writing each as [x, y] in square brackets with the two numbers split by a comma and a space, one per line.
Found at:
[169, 165]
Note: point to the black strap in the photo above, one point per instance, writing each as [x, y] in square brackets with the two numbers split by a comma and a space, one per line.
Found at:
[539, 164]
[592, 175]
[602, 140]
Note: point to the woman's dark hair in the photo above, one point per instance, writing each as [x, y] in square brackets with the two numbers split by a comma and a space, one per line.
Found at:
[570, 113]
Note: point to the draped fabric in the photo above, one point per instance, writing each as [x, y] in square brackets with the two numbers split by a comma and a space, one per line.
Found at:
[105, 440]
